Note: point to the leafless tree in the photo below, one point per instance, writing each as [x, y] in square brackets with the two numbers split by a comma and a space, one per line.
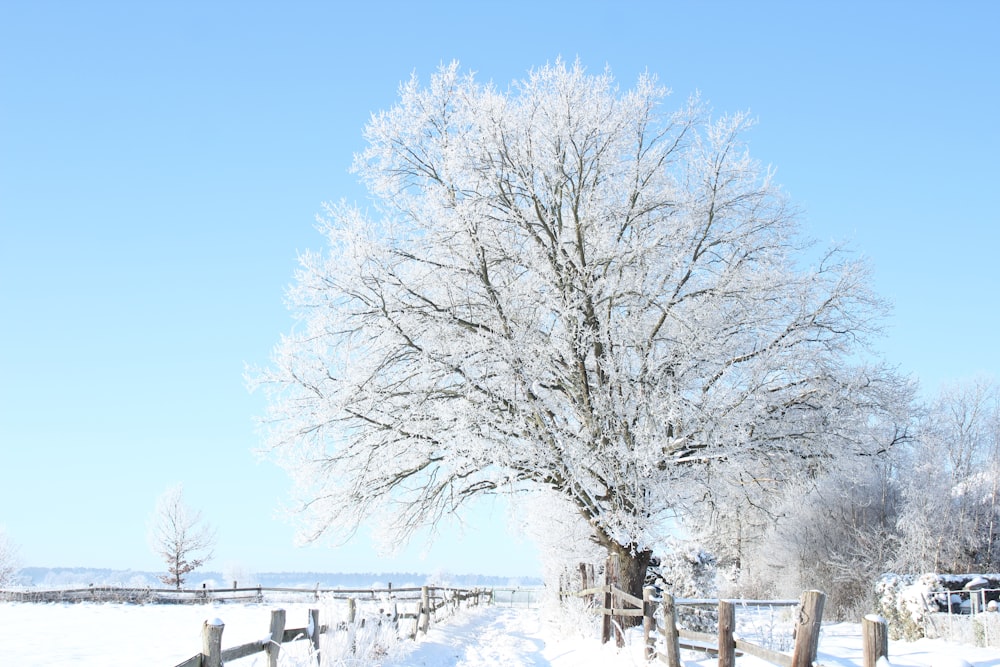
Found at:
[178, 534]
[951, 521]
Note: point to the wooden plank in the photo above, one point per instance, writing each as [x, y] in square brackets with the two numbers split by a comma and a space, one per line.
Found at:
[697, 636]
[193, 661]
[593, 591]
[243, 650]
[626, 598]
[780, 659]
[713, 602]
[294, 634]
[710, 649]
[621, 612]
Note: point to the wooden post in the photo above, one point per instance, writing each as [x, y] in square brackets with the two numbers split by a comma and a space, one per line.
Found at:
[606, 616]
[352, 610]
[314, 630]
[277, 634]
[424, 617]
[807, 629]
[671, 639]
[649, 621]
[875, 639]
[607, 621]
[727, 642]
[211, 643]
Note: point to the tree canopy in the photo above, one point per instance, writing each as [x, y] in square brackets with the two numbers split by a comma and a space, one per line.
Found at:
[570, 286]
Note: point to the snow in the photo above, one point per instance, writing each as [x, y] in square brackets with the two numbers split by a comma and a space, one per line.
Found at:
[110, 635]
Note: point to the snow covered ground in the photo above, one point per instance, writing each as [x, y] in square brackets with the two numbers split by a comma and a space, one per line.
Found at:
[110, 635]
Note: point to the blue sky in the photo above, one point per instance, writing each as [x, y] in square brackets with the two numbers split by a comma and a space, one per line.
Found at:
[161, 165]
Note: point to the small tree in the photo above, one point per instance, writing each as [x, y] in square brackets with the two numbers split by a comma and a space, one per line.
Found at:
[8, 560]
[179, 536]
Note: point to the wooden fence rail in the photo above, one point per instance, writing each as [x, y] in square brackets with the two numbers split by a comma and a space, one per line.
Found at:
[724, 644]
[618, 603]
[728, 647]
[429, 601]
[143, 595]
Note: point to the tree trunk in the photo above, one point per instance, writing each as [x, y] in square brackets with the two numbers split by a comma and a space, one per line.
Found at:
[632, 567]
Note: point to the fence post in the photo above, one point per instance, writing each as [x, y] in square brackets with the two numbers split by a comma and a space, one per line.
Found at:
[314, 630]
[352, 607]
[875, 638]
[424, 617]
[211, 643]
[611, 579]
[671, 638]
[649, 621]
[277, 634]
[807, 629]
[727, 643]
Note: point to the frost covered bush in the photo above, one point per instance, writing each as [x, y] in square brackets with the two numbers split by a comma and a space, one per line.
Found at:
[687, 571]
[986, 628]
[8, 560]
[902, 600]
[573, 618]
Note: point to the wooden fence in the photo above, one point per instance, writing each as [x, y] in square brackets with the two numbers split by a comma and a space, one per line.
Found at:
[724, 644]
[203, 595]
[430, 600]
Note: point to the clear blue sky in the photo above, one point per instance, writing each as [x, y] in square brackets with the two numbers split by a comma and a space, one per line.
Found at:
[161, 164]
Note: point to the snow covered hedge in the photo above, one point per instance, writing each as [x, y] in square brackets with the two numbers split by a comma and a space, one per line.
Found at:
[907, 601]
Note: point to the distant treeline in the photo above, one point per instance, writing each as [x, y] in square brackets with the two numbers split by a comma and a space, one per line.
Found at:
[72, 576]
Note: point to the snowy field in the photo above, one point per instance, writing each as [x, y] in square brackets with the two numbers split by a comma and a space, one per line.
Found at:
[113, 635]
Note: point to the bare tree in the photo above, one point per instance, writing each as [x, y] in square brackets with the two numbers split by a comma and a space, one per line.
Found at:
[9, 562]
[178, 534]
[564, 286]
[951, 520]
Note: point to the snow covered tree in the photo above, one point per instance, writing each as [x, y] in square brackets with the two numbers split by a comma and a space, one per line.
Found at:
[834, 529]
[178, 534]
[9, 565]
[838, 535]
[569, 286]
[951, 520]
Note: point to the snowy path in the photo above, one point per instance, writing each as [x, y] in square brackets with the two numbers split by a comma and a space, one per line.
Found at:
[503, 637]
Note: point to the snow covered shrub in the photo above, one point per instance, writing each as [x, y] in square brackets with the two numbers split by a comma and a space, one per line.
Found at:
[9, 565]
[986, 628]
[902, 600]
[365, 643]
[687, 571]
[573, 618]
